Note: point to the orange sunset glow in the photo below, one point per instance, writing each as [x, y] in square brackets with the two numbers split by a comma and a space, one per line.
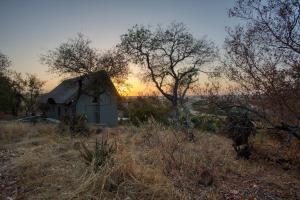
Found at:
[134, 85]
[150, 99]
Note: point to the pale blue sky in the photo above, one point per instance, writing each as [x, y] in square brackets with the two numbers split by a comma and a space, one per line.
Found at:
[29, 28]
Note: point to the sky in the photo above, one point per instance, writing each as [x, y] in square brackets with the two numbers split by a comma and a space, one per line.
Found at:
[29, 28]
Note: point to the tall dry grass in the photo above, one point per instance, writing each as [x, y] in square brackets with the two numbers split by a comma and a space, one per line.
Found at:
[152, 161]
[15, 131]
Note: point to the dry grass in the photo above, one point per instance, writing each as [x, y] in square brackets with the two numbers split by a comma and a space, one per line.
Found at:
[151, 162]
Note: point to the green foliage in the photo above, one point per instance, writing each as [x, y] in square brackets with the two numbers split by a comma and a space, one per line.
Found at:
[209, 123]
[6, 100]
[76, 126]
[17, 92]
[99, 155]
[80, 124]
[32, 88]
[10, 97]
[142, 109]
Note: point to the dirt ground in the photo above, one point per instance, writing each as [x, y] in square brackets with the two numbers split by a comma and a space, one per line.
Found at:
[150, 162]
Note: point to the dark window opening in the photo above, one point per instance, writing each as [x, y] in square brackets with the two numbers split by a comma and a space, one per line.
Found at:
[97, 117]
[95, 100]
[51, 101]
[58, 111]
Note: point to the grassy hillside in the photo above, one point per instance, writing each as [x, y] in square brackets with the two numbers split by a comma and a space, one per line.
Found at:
[149, 162]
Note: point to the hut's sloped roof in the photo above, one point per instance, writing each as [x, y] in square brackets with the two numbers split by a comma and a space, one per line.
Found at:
[66, 90]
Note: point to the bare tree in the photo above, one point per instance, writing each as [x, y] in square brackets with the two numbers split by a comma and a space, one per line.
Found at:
[32, 90]
[115, 64]
[274, 22]
[76, 58]
[263, 59]
[170, 57]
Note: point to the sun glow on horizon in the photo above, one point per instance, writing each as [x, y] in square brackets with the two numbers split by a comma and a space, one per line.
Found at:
[133, 85]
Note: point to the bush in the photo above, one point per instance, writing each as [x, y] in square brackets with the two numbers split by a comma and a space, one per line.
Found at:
[99, 155]
[208, 123]
[142, 109]
[78, 125]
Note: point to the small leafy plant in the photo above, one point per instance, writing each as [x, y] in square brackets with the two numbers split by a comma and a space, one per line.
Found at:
[99, 155]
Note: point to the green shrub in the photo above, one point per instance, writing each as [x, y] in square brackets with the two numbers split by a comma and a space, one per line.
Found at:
[77, 126]
[81, 125]
[208, 123]
[143, 108]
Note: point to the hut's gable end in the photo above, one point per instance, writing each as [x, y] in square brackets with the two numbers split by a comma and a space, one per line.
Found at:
[100, 109]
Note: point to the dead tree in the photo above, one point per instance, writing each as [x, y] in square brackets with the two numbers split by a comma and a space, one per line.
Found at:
[262, 59]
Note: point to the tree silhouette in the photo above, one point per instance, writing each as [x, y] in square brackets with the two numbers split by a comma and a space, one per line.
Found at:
[262, 58]
[170, 57]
